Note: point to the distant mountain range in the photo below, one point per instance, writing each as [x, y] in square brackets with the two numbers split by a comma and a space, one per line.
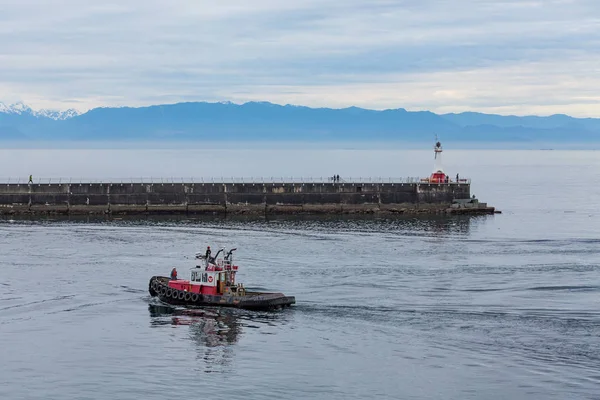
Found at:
[255, 121]
[22, 109]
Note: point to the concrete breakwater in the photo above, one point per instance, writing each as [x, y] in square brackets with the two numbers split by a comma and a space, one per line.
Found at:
[238, 198]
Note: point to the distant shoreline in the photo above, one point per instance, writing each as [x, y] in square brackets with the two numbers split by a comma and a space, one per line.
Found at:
[287, 144]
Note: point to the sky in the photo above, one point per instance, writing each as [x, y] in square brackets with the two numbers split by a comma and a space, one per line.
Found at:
[517, 57]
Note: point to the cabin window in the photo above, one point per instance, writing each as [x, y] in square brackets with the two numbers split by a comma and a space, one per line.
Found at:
[359, 189]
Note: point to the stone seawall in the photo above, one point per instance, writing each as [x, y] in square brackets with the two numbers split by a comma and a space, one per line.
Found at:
[234, 198]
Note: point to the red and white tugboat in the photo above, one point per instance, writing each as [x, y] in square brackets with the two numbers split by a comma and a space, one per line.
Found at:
[212, 283]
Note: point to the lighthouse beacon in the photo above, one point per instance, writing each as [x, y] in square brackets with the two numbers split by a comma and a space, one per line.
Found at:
[438, 175]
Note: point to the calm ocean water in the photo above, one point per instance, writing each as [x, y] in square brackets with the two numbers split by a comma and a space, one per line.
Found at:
[492, 307]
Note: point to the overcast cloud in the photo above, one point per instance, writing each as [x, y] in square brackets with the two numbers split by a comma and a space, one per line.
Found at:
[508, 57]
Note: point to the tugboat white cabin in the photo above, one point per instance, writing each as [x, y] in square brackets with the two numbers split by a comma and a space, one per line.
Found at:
[210, 276]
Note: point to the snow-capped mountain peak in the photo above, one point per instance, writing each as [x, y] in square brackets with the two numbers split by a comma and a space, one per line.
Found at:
[57, 115]
[21, 108]
[16, 108]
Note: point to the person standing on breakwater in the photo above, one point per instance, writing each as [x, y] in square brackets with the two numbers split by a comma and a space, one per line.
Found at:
[30, 179]
[457, 177]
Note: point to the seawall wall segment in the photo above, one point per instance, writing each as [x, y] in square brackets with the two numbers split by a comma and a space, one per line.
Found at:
[252, 198]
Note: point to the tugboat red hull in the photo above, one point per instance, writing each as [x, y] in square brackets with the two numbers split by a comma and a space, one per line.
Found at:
[159, 287]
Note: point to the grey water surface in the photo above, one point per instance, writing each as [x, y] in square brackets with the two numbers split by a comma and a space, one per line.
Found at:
[492, 307]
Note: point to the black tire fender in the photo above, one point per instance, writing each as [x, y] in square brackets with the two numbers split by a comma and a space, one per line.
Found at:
[151, 289]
